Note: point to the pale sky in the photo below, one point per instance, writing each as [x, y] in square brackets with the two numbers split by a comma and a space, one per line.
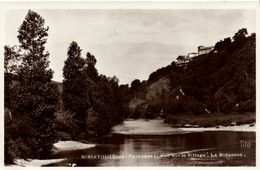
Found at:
[131, 44]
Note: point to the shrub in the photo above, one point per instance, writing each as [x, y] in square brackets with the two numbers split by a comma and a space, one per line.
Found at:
[170, 119]
[152, 111]
[248, 106]
[134, 114]
[63, 136]
[198, 109]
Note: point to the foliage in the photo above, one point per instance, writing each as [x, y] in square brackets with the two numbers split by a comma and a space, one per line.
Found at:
[135, 84]
[220, 81]
[170, 119]
[211, 120]
[33, 98]
[66, 125]
[223, 45]
[74, 97]
[11, 59]
[152, 111]
[94, 99]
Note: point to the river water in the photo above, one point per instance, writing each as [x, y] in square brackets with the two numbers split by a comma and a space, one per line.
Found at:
[153, 143]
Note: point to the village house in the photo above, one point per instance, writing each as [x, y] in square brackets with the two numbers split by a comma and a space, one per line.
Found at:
[182, 60]
[204, 50]
[192, 55]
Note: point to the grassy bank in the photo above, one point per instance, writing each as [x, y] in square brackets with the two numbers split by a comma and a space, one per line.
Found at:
[212, 119]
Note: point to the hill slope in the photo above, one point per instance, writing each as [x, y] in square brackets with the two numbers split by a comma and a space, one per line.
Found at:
[218, 82]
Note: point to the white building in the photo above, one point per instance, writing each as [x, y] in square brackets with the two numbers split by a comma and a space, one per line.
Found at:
[204, 50]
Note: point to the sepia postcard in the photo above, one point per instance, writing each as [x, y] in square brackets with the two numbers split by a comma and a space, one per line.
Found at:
[129, 84]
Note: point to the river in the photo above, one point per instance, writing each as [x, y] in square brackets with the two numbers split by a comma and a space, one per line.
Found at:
[153, 143]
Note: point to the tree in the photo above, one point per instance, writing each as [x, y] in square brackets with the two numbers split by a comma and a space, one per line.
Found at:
[34, 76]
[114, 81]
[241, 34]
[90, 69]
[75, 94]
[11, 59]
[240, 37]
[34, 97]
[223, 45]
[135, 84]
[74, 97]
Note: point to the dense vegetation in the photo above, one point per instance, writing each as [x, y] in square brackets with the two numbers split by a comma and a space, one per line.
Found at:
[92, 100]
[222, 81]
[38, 111]
[31, 97]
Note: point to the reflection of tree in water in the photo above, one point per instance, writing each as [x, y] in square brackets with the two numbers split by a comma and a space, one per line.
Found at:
[200, 143]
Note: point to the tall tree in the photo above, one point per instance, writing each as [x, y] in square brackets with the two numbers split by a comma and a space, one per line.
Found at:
[90, 69]
[75, 97]
[33, 74]
[34, 95]
[240, 37]
[241, 34]
[135, 84]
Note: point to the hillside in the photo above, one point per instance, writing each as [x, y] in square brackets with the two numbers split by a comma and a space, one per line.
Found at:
[222, 81]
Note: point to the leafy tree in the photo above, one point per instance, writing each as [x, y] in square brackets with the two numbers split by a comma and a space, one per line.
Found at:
[241, 34]
[91, 60]
[93, 99]
[90, 69]
[135, 84]
[34, 97]
[11, 58]
[239, 37]
[223, 45]
[75, 97]
[34, 76]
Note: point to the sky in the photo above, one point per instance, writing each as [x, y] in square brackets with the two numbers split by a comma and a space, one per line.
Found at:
[127, 43]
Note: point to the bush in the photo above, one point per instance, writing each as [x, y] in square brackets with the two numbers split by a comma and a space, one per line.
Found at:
[170, 119]
[226, 108]
[94, 126]
[248, 106]
[152, 111]
[63, 136]
[198, 109]
[134, 114]
[175, 107]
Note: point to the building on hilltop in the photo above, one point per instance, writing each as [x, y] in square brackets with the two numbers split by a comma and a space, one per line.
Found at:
[192, 54]
[204, 50]
[183, 61]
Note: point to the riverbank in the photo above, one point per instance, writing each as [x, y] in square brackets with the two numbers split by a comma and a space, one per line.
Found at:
[211, 119]
[240, 128]
[35, 162]
[71, 145]
[144, 127]
[158, 127]
[131, 127]
[57, 147]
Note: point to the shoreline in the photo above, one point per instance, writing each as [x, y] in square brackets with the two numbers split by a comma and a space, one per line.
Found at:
[35, 162]
[158, 127]
[58, 147]
[236, 128]
[129, 128]
[70, 146]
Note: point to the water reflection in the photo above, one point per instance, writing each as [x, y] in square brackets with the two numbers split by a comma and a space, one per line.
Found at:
[209, 143]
